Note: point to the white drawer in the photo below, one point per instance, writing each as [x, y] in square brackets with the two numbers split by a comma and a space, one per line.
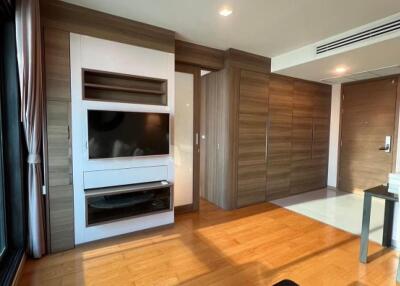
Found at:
[109, 178]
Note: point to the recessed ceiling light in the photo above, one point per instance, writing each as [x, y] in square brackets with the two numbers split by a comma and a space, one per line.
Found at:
[341, 69]
[225, 12]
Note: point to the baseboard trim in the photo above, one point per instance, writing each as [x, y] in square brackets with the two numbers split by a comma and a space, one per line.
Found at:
[184, 209]
[18, 274]
[331, 188]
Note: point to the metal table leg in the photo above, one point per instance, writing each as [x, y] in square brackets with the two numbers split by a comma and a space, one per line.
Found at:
[388, 224]
[398, 273]
[365, 228]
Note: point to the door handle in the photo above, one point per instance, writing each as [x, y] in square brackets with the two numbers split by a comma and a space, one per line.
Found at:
[388, 144]
[385, 148]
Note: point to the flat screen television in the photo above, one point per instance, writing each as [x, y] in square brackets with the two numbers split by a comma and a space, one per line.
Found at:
[127, 134]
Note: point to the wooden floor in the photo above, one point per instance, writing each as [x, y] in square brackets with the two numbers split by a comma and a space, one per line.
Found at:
[257, 245]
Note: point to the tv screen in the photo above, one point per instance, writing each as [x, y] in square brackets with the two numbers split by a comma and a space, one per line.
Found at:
[127, 134]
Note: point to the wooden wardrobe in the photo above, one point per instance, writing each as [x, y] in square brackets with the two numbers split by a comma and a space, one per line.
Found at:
[266, 135]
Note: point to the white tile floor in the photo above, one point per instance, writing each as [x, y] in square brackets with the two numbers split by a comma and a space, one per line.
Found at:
[339, 209]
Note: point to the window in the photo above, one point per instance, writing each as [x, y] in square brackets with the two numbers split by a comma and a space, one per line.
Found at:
[3, 231]
[12, 152]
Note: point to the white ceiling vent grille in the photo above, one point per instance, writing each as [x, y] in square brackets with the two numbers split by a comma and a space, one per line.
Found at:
[361, 36]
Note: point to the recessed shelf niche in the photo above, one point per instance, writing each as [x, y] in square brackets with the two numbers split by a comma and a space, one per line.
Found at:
[107, 86]
[110, 204]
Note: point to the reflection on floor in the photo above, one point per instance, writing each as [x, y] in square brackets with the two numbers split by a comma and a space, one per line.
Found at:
[339, 209]
[256, 245]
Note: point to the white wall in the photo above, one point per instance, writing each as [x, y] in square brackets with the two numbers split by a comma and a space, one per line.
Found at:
[334, 136]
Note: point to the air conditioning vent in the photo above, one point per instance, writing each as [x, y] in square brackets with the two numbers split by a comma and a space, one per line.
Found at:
[361, 36]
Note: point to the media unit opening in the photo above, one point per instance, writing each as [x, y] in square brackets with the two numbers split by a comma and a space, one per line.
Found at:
[104, 205]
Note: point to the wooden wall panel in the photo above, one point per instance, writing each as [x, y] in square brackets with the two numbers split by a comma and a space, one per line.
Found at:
[81, 20]
[303, 104]
[322, 102]
[57, 65]
[279, 137]
[204, 57]
[59, 158]
[320, 147]
[302, 138]
[247, 61]
[321, 128]
[253, 112]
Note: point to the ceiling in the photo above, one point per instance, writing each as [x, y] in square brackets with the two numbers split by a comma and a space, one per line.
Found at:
[264, 27]
[369, 61]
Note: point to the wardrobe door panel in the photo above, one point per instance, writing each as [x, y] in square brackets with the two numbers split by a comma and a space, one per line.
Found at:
[303, 99]
[304, 176]
[302, 138]
[253, 111]
[320, 147]
[310, 142]
[322, 102]
[279, 137]
[58, 158]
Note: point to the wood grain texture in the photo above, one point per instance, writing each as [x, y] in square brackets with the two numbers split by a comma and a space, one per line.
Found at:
[60, 176]
[57, 64]
[77, 19]
[281, 91]
[213, 93]
[253, 114]
[298, 142]
[201, 56]
[310, 131]
[368, 115]
[247, 61]
[59, 155]
[123, 88]
[257, 245]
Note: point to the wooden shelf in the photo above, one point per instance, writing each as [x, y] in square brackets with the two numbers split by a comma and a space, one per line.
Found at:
[120, 88]
[114, 87]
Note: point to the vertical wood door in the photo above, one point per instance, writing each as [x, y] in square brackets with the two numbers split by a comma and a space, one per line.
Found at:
[368, 116]
[253, 112]
[279, 136]
[60, 208]
[213, 137]
[310, 136]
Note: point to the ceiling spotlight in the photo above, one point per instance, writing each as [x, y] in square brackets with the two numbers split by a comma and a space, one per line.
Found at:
[341, 69]
[225, 12]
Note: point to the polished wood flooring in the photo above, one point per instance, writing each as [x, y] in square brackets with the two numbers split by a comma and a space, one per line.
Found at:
[256, 245]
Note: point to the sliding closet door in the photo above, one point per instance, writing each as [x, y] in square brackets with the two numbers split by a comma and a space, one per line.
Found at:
[279, 136]
[310, 136]
[321, 127]
[253, 113]
[302, 132]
